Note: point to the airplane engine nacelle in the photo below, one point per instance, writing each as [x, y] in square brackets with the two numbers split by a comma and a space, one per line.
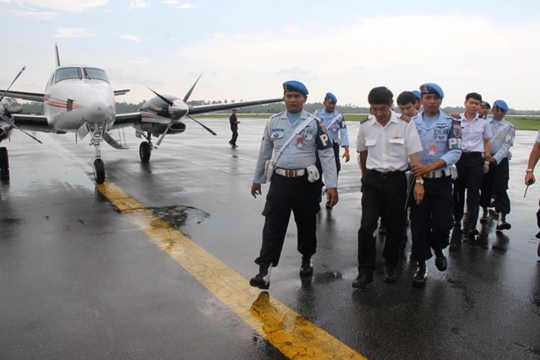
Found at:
[158, 129]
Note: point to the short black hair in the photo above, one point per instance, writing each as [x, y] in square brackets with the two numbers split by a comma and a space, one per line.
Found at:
[406, 97]
[380, 95]
[473, 95]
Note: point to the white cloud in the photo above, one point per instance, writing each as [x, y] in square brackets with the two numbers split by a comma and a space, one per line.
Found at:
[130, 37]
[142, 61]
[179, 5]
[72, 33]
[39, 15]
[460, 53]
[135, 4]
[64, 5]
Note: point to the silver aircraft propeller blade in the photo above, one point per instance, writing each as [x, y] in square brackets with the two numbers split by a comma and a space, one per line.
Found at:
[161, 138]
[207, 128]
[191, 90]
[16, 77]
[18, 128]
[169, 102]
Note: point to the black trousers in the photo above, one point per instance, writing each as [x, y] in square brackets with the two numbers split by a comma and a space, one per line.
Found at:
[384, 196]
[470, 168]
[234, 136]
[432, 219]
[496, 182]
[286, 194]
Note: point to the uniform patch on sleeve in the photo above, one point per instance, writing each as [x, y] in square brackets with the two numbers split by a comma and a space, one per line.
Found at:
[364, 119]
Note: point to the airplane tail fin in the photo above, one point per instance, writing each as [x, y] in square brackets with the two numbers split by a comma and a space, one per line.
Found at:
[57, 55]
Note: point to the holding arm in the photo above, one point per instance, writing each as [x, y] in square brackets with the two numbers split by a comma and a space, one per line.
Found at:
[533, 159]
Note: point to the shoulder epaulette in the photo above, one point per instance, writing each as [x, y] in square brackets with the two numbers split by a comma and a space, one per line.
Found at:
[364, 119]
[405, 118]
[276, 115]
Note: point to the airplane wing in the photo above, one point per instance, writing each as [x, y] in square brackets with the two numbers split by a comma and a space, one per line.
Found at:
[123, 120]
[121, 92]
[38, 97]
[201, 109]
[34, 123]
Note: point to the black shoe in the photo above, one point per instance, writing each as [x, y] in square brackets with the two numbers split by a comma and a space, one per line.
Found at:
[420, 278]
[362, 281]
[262, 279]
[502, 224]
[441, 262]
[306, 268]
[390, 274]
[328, 206]
[471, 233]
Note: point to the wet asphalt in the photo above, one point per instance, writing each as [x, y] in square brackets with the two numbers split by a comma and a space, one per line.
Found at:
[78, 279]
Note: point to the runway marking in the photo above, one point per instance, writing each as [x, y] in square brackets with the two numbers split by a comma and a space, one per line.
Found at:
[288, 331]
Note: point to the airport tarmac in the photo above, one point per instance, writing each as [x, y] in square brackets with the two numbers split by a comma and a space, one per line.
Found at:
[154, 264]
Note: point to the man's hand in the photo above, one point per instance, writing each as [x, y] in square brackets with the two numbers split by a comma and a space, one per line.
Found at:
[332, 196]
[529, 178]
[456, 116]
[420, 169]
[418, 193]
[256, 190]
[486, 168]
[346, 155]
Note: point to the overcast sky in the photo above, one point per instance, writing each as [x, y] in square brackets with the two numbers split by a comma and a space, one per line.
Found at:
[248, 48]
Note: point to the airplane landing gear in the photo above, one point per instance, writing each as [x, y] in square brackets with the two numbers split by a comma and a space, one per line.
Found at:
[99, 171]
[145, 150]
[4, 163]
[99, 167]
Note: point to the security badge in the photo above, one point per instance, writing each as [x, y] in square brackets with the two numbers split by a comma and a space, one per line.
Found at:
[300, 142]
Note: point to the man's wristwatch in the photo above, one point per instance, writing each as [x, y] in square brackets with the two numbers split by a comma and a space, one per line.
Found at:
[421, 182]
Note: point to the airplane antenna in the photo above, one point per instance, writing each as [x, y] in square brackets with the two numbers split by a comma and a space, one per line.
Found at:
[16, 77]
[57, 54]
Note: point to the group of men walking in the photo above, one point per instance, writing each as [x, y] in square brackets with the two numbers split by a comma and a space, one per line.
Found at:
[429, 145]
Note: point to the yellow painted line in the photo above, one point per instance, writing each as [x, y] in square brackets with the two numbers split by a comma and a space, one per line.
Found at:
[289, 332]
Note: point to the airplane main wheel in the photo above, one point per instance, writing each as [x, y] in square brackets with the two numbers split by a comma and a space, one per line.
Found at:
[145, 151]
[99, 171]
[4, 163]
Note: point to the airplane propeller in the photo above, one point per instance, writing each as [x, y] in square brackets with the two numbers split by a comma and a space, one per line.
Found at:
[16, 109]
[177, 110]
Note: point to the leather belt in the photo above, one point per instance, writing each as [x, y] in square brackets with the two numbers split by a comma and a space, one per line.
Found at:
[435, 174]
[291, 172]
[386, 174]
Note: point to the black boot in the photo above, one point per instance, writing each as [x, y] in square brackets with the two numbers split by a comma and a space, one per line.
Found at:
[363, 280]
[306, 268]
[262, 279]
[420, 278]
[440, 261]
[502, 224]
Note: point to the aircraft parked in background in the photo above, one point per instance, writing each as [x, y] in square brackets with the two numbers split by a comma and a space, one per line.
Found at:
[80, 99]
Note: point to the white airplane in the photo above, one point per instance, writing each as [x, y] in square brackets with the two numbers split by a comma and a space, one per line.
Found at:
[80, 99]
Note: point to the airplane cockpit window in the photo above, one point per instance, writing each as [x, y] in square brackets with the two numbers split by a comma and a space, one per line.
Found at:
[68, 73]
[93, 73]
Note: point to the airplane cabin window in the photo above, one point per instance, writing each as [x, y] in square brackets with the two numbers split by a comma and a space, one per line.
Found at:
[68, 73]
[97, 74]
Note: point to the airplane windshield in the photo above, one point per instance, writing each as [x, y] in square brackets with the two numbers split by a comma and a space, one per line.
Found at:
[93, 73]
[68, 73]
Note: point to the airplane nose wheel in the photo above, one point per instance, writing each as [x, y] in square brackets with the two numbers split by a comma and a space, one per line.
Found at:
[99, 171]
[4, 163]
[145, 151]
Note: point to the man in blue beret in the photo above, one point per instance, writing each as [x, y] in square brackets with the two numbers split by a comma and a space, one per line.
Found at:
[483, 109]
[496, 179]
[287, 158]
[472, 165]
[336, 127]
[432, 219]
[418, 96]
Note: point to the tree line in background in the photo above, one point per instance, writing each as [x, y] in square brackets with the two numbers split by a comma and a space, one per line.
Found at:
[123, 107]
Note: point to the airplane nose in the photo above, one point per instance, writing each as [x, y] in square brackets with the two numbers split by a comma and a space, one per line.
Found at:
[98, 108]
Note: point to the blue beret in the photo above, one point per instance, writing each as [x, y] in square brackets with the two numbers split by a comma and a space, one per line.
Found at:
[501, 104]
[293, 85]
[486, 104]
[431, 88]
[417, 94]
[330, 96]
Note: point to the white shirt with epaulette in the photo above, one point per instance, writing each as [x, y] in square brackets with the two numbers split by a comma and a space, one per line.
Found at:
[388, 146]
